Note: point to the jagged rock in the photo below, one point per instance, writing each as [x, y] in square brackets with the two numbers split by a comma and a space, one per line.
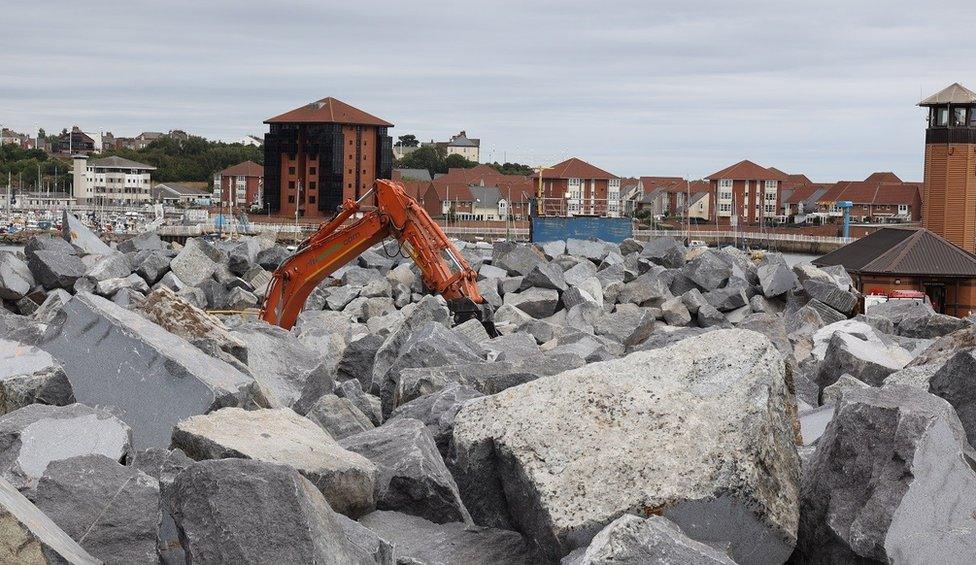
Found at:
[827, 313]
[633, 540]
[813, 422]
[429, 309]
[473, 330]
[30, 537]
[111, 266]
[708, 316]
[727, 298]
[553, 249]
[243, 256]
[931, 326]
[831, 295]
[44, 243]
[195, 263]
[593, 250]
[956, 383]
[664, 251]
[775, 279]
[770, 326]
[146, 241]
[898, 310]
[867, 360]
[628, 326]
[520, 261]
[509, 285]
[110, 509]
[709, 270]
[115, 357]
[238, 511]
[891, 480]
[560, 458]
[30, 375]
[78, 234]
[437, 410]
[16, 279]
[271, 258]
[108, 287]
[127, 297]
[411, 475]
[804, 321]
[338, 416]
[511, 347]
[366, 403]
[536, 302]
[404, 274]
[35, 435]
[357, 359]
[648, 289]
[55, 301]
[55, 269]
[579, 273]
[665, 336]
[240, 299]
[544, 275]
[281, 436]
[693, 300]
[833, 394]
[675, 312]
[177, 316]
[416, 540]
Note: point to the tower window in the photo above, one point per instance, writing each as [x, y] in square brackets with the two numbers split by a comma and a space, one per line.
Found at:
[291, 170]
[942, 117]
[958, 116]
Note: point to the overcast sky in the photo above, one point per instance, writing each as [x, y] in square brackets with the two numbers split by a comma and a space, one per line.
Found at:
[827, 88]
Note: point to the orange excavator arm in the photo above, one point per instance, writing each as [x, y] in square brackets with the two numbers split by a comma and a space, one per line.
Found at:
[397, 215]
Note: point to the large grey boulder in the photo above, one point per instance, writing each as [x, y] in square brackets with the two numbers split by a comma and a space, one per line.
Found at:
[891, 481]
[649, 289]
[545, 275]
[357, 360]
[428, 309]
[664, 251]
[116, 357]
[595, 251]
[78, 234]
[416, 540]
[176, 315]
[898, 310]
[709, 270]
[930, 326]
[36, 435]
[196, 262]
[30, 537]
[956, 383]
[776, 279]
[281, 436]
[55, 269]
[629, 325]
[237, 511]
[675, 313]
[368, 404]
[867, 360]
[830, 294]
[338, 416]
[579, 273]
[411, 475]
[243, 256]
[112, 510]
[30, 375]
[536, 302]
[111, 266]
[632, 540]
[726, 299]
[560, 458]
[520, 260]
[16, 279]
[437, 411]
[146, 241]
[285, 368]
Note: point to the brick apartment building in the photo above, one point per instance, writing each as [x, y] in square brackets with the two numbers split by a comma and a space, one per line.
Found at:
[319, 154]
[577, 188]
[671, 196]
[880, 198]
[240, 185]
[456, 194]
[747, 192]
[950, 165]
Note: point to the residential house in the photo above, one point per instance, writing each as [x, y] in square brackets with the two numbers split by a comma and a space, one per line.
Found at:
[746, 194]
[577, 188]
[10, 137]
[111, 181]
[77, 142]
[880, 198]
[631, 190]
[240, 185]
[460, 144]
[251, 140]
[412, 174]
[450, 193]
[44, 200]
[799, 202]
[176, 194]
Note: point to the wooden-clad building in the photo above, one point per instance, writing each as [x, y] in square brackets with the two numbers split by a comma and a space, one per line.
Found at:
[911, 259]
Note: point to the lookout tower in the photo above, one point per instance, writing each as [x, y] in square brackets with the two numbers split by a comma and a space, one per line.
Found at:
[949, 203]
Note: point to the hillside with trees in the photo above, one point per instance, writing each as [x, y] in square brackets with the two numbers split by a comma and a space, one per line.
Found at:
[195, 159]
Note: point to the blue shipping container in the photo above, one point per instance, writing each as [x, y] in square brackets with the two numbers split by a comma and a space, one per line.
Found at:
[553, 229]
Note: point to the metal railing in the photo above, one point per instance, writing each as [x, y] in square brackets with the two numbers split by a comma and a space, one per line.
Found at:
[758, 236]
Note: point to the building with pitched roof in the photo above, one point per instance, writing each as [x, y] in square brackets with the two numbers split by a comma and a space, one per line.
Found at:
[460, 144]
[322, 153]
[746, 193]
[917, 259]
[111, 181]
[240, 185]
[577, 188]
[451, 194]
[670, 196]
[177, 194]
[412, 174]
[949, 189]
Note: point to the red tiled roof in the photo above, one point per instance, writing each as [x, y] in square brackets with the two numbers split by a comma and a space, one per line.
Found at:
[328, 111]
[245, 169]
[747, 170]
[415, 188]
[878, 188]
[904, 193]
[575, 168]
[802, 193]
[883, 177]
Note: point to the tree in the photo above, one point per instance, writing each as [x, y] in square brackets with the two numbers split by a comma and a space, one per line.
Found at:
[456, 161]
[408, 140]
[512, 168]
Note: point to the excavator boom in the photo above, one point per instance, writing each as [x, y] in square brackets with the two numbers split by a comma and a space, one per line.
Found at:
[397, 215]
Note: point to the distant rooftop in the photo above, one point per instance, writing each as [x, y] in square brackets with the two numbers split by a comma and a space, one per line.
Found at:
[328, 111]
[901, 251]
[955, 93]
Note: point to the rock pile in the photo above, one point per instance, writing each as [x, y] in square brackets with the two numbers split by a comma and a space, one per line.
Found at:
[641, 403]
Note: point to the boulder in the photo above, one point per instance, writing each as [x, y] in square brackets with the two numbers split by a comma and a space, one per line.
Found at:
[30, 537]
[338, 416]
[411, 475]
[243, 256]
[238, 511]
[536, 302]
[366, 403]
[271, 258]
[956, 383]
[830, 294]
[579, 273]
[544, 275]
[833, 394]
[520, 261]
[709, 270]
[29, 375]
[36, 435]
[177, 316]
[511, 347]
[708, 316]
[628, 326]
[553, 249]
[437, 411]
[675, 312]
[727, 298]
[775, 279]
[664, 251]
[16, 279]
[891, 481]
[116, 357]
[112, 510]
[53, 303]
[867, 360]
[357, 360]
[196, 262]
[630, 539]
[595, 251]
[55, 269]
[648, 289]
[111, 266]
[416, 540]
[930, 326]
[146, 241]
[281, 436]
[240, 299]
[562, 457]
[429, 309]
